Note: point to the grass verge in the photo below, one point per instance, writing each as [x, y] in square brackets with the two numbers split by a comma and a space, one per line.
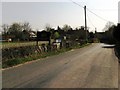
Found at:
[19, 44]
[21, 60]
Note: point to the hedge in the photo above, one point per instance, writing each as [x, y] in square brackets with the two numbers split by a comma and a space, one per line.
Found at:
[18, 52]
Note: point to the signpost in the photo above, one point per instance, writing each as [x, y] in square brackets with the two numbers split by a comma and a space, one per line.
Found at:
[43, 36]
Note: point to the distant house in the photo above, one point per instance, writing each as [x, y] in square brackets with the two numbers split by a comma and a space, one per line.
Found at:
[7, 38]
[33, 35]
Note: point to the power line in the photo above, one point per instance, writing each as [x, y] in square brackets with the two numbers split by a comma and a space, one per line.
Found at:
[97, 15]
[90, 21]
[76, 3]
[104, 9]
[90, 11]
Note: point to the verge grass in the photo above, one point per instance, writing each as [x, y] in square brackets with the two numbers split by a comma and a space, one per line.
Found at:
[32, 57]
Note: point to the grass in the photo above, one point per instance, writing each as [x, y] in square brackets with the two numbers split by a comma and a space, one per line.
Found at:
[19, 44]
[17, 61]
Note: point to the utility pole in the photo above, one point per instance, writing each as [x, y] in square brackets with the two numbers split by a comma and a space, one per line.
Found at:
[85, 22]
[95, 29]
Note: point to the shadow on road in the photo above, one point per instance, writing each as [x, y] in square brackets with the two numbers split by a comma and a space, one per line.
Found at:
[117, 52]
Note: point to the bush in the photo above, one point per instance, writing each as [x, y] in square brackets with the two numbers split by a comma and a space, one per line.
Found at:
[17, 52]
[15, 56]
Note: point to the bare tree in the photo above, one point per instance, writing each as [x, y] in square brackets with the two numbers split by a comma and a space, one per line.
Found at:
[15, 31]
[5, 28]
[47, 27]
[107, 26]
[26, 26]
[66, 27]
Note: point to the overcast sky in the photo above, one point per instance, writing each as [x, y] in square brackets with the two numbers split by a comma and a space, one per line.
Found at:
[57, 12]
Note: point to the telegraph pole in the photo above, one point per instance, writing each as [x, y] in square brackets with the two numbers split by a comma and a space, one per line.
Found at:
[85, 22]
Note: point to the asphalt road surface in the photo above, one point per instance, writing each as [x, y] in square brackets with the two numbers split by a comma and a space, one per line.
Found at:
[94, 66]
[119, 76]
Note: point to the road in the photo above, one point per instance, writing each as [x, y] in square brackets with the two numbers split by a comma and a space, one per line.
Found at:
[94, 66]
[119, 76]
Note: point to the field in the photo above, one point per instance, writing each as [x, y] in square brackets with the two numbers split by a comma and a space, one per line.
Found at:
[19, 44]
